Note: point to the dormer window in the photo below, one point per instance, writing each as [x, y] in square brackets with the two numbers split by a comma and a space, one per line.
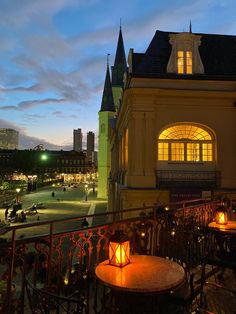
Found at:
[185, 62]
[185, 57]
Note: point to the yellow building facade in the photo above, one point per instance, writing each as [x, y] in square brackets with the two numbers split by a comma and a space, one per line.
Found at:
[175, 135]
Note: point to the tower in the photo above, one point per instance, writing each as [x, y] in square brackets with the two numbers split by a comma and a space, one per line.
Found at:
[106, 113]
[112, 95]
[118, 70]
[77, 140]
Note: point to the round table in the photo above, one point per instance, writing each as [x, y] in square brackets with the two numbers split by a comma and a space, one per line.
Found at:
[144, 274]
[229, 228]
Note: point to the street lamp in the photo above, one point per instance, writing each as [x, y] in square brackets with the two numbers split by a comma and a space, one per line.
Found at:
[17, 195]
[93, 177]
[86, 192]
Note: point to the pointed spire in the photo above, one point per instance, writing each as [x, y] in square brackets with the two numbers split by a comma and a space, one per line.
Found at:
[107, 97]
[120, 65]
[190, 27]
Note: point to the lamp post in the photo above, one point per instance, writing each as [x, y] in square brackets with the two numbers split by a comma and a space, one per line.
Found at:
[86, 192]
[17, 195]
[93, 177]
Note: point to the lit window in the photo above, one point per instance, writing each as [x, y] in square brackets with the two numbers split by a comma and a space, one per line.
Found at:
[163, 151]
[193, 152]
[180, 62]
[177, 151]
[185, 62]
[207, 152]
[187, 142]
[189, 62]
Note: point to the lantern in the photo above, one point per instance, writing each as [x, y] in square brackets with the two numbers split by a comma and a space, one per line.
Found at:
[221, 215]
[119, 249]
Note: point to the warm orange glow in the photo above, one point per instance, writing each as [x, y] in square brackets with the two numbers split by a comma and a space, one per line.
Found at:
[185, 62]
[177, 151]
[163, 151]
[185, 142]
[180, 62]
[119, 253]
[189, 62]
[221, 217]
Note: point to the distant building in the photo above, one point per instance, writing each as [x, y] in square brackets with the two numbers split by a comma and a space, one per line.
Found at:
[9, 139]
[35, 162]
[90, 145]
[77, 140]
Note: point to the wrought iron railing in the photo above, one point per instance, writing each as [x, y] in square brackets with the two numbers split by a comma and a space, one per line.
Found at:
[51, 259]
[183, 178]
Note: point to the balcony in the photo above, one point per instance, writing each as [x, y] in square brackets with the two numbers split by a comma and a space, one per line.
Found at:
[55, 272]
[181, 178]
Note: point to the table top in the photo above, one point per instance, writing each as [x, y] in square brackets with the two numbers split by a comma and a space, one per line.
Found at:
[230, 227]
[144, 274]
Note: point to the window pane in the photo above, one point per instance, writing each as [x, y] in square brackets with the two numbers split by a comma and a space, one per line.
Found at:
[180, 62]
[193, 152]
[186, 131]
[207, 152]
[189, 62]
[163, 151]
[177, 151]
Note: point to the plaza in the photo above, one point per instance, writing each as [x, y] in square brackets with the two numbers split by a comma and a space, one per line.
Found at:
[70, 203]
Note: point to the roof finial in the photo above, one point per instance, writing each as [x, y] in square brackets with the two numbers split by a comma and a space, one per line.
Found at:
[190, 27]
[108, 59]
[120, 22]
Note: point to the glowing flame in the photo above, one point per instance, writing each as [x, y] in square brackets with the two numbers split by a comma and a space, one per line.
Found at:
[221, 217]
[119, 253]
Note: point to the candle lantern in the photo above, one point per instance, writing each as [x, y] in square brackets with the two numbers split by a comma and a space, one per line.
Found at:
[119, 249]
[221, 215]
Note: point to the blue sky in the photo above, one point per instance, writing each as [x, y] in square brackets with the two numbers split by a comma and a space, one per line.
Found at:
[53, 56]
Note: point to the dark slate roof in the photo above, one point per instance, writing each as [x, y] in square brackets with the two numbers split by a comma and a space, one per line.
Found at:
[107, 97]
[218, 55]
[120, 65]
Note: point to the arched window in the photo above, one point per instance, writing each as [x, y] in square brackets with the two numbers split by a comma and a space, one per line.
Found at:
[185, 143]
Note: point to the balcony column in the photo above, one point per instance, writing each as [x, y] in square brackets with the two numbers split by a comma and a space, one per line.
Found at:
[141, 151]
[150, 145]
[136, 144]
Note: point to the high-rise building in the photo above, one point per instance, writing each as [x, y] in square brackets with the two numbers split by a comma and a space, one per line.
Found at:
[90, 145]
[9, 139]
[77, 140]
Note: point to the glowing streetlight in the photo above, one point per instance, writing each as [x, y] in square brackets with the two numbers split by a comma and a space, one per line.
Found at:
[86, 192]
[44, 157]
[17, 194]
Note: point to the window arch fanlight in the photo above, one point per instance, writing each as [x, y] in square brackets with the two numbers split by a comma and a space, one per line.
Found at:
[185, 143]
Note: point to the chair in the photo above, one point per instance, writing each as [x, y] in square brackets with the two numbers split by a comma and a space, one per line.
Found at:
[221, 257]
[188, 249]
[46, 301]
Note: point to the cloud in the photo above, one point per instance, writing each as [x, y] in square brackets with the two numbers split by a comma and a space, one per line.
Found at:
[20, 13]
[48, 69]
[29, 142]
